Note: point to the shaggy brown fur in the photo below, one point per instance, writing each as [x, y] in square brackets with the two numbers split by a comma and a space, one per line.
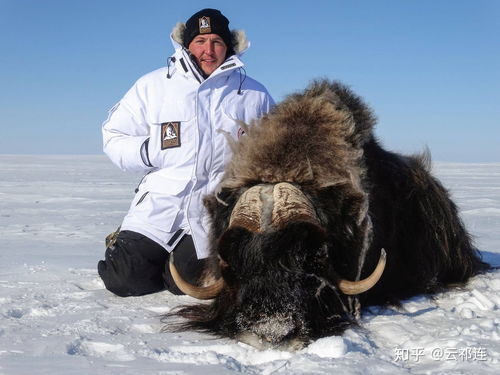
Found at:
[308, 139]
[281, 285]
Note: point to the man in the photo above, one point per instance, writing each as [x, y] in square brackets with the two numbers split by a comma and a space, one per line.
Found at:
[174, 124]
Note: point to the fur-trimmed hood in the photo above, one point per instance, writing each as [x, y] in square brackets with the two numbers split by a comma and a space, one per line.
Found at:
[238, 37]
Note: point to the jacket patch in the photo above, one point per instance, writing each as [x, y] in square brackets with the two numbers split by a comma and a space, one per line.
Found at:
[204, 23]
[170, 134]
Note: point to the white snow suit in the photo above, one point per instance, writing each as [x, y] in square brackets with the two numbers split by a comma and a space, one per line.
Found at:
[173, 124]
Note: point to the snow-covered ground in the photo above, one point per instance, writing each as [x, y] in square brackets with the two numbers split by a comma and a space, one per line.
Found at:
[57, 318]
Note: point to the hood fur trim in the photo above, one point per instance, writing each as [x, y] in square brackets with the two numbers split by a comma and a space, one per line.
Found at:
[238, 37]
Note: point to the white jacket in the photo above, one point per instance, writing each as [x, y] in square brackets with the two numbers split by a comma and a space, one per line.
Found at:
[173, 125]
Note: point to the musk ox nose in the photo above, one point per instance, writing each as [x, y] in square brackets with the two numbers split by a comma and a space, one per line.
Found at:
[278, 331]
[274, 329]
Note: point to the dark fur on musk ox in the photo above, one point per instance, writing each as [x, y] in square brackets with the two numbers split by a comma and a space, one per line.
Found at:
[279, 265]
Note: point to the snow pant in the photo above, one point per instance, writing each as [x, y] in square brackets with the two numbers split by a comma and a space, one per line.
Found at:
[136, 265]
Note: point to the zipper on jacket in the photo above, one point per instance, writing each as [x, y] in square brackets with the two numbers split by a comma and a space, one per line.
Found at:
[140, 182]
[142, 198]
[183, 63]
[195, 71]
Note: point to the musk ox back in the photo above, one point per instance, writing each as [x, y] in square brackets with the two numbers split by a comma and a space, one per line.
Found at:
[315, 220]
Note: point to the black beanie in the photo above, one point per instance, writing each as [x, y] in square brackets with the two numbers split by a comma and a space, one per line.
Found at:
[207, 21]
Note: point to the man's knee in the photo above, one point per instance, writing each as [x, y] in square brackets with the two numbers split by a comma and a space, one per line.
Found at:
[133, 265]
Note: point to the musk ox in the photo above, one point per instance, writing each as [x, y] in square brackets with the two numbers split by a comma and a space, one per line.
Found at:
[315, 220]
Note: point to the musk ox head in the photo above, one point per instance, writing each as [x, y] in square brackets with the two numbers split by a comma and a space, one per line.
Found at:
[290, 225]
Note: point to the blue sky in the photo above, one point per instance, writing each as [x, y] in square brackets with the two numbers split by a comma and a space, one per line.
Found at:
[430, 69]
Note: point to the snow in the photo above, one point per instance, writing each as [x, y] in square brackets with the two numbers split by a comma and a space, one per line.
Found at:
[57, 318]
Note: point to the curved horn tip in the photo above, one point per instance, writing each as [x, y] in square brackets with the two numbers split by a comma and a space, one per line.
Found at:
[199, 292]
[383, 255]
[361, 286]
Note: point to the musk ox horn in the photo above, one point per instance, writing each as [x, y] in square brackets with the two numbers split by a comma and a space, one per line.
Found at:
[290, 204]
[267, 205]
[358, 287]
[199, 292]
[248, 210]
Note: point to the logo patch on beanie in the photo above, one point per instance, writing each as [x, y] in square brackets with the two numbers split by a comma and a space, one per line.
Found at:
[204, 23]
[170, 135]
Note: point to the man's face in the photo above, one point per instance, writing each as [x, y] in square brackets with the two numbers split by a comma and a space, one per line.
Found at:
[209, 50]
